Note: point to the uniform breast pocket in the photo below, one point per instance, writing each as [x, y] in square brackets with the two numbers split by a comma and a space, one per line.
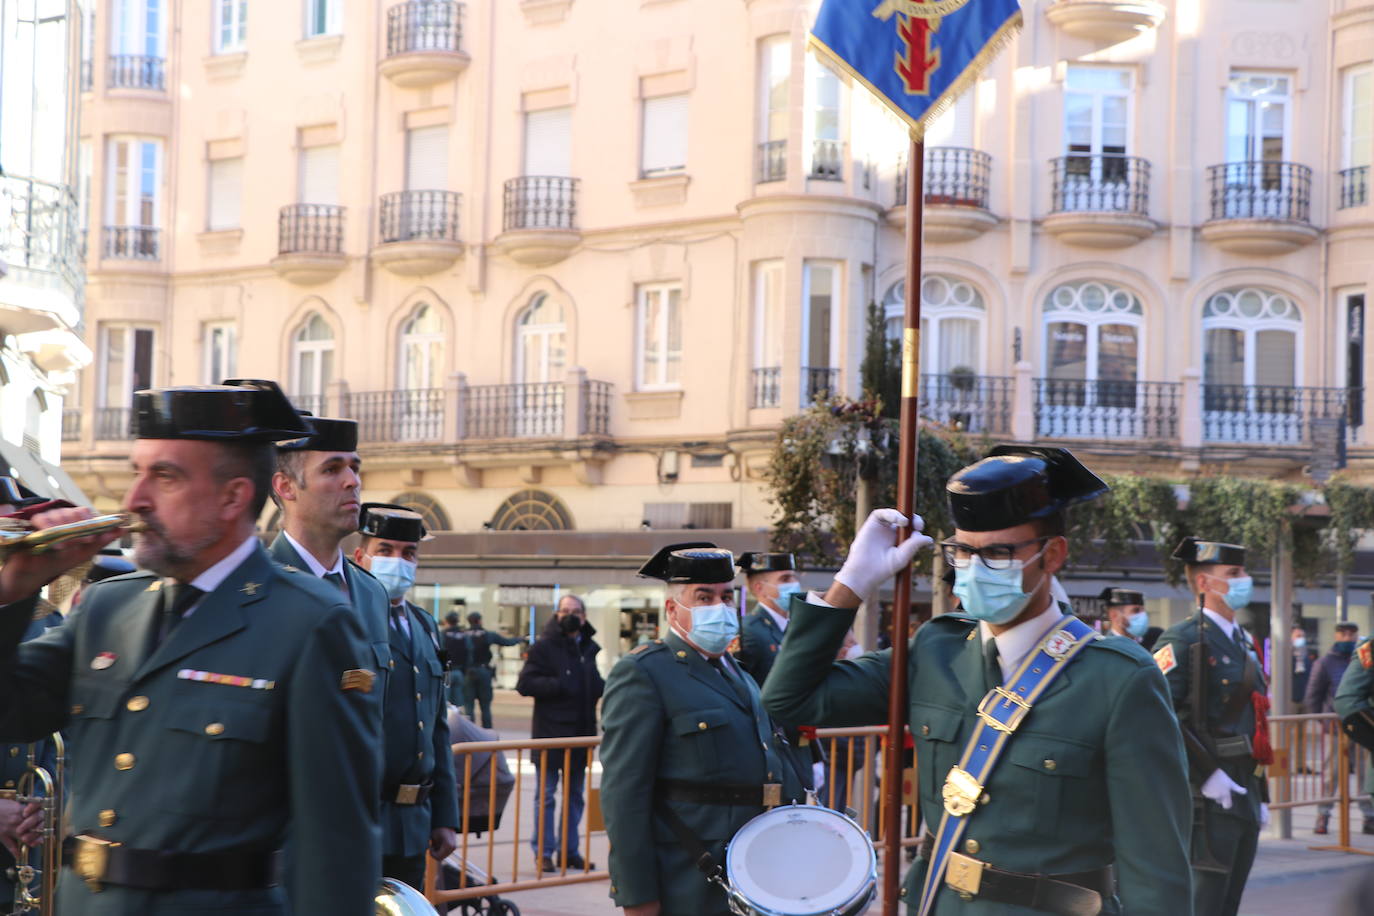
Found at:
[936, 731]
[435, 685]
[1043, 782]
[705, 734]
[220, 751]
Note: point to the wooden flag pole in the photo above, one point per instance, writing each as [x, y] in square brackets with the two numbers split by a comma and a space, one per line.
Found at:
[906, 504]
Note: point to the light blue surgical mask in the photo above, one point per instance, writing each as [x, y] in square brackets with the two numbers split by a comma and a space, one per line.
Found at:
[713, 626]
[1138, 624]
[1238, 592]
[396, 574]
[992, 595]
[785, 592]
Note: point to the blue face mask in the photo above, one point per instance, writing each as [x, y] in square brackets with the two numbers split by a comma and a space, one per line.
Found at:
[1138, 624]
[1238, 592]
[993, 595]
[713, 627]
[785, 592]
[396, 574]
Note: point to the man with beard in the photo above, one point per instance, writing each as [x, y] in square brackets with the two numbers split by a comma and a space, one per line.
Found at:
[219, 701]
[1126, 616]
[419, 808]
[560, 673]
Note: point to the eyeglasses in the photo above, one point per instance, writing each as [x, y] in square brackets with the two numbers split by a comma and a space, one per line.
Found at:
[994, 556]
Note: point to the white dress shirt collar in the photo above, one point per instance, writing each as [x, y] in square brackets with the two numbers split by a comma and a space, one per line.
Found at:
[213, 577]
[315, 567]
[780, 620]
[1015, 644]
[1228, 627]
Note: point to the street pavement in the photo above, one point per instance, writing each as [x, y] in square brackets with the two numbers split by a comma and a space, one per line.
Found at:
[1290, 878]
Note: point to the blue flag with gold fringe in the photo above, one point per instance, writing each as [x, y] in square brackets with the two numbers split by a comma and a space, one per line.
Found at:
[917, 55]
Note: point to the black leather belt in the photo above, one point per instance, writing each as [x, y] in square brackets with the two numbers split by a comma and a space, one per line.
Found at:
[768, 795]
[102, 862]
[401, 793]
[1074, 894]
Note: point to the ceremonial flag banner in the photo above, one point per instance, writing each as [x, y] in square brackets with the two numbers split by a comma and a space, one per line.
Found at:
[918, 56]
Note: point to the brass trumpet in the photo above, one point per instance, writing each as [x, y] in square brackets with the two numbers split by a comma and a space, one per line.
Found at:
[20, 535]
[36, 869]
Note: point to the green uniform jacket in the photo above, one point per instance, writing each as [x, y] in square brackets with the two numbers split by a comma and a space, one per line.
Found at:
[1225, 672]
[416, 755]
[759, 640]
[667, 714]
[166, 758]
[1355, 692]
[1094, 775]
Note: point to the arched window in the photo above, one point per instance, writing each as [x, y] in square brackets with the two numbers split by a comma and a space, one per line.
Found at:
[1250, 366]
[1092, 337]
[952, 312]
[436, 519]
[312, 362]
[541, 341]
[532, 510]
[421, 365]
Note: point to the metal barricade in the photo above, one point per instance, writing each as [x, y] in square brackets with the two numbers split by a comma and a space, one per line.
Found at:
[1314, 764]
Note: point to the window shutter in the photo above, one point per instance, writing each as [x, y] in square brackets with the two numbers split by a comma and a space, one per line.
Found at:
[226, 192]
[665, 135]
[427, 158]
[320, 175]
[548, 142]
[954, 126]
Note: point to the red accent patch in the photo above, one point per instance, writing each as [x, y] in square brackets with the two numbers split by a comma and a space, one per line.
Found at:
[1366, 653]
[1164, 658]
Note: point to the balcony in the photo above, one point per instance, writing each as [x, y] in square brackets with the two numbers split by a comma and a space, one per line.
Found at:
[979, 404]
[766, 387]
[414, 415]
[956, 195]
[310, 243]
[540, 220]
[535, 410]
[136, 71]
[1260, 208]
[827, 160]
[1354, 187]
[1101, 409]
[40, 248]
[112, 424]
[87, 76]
[818, 382]
[1271, 414]
[772, 164]
[1106, 20]
[423, 43]
[419, 232]
[71, 424]
[1099, 200]
[132, 243]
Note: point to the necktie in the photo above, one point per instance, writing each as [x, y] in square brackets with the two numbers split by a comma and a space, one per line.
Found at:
[992, 669]
[175, 601]
[731, 679]
[396, 612]
[337, 580]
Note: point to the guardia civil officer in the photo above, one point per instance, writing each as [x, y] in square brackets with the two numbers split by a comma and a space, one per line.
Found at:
[419, 804]
[1039, 823]
[1354, 702]
[772, 580]
[688, 754]
[481, 671]
[1126, 616]
[1220, 693]
[218, 703]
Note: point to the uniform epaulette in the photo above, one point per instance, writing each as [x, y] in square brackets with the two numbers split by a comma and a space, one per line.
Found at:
[1123, 646]
[953, 619]
[642, 648]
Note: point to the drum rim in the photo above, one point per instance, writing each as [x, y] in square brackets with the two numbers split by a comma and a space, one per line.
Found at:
[864, 891]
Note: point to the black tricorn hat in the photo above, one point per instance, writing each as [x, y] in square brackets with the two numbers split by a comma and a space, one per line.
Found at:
[1199, 552]
[751, 562]
[392, 523]
[15, 494]
[697, 561]
[109, 562]
[331, 435]
[1016, 484]
[1121, 596]
[241, 410]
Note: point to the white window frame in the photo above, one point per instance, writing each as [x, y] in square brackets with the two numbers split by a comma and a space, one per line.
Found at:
[1250, 327]
[544, 333]
[333, 18]
[211, 170]
[221, 336]
[231, 37]
[1091, 322]
[1098, 96]
[836, 309]
[1349, 77]
[128, 331]
[133, 190]
[129, 32]
[1256, 154]
[646, 170]
[933, 315]
[425, 340]
[772, 49]
[1342, 323]
[653, 378]
[318, 347]
[765, 271]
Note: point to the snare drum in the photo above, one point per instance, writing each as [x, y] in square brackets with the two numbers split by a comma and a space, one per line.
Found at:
[801, 860]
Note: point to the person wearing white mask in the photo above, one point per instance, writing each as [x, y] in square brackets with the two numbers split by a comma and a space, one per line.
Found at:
[688, 755]
[1126, 616]
[1220, 694]
[419, 795]
[772, 581]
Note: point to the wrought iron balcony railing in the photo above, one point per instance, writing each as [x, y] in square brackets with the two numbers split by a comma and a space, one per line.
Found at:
[39, 231]
[1269, 414]
[315, 403]
[1101, 409]
[1100, 183]
[767, 387]
[819, 382]
[133, 243]
[954, 176]
[112, 423]
[87, 76]
[136, 71]
[310, 229]
[772, 165]
[71, 424]
[420, 215]
[424, 25]
[827, 160]
[1354, 187]
[967, 402]
[540, 202]
[413, 415]
[532, 410]
[1261, 190]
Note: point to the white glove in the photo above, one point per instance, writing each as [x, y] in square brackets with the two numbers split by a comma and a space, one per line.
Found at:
[875, 556]
[1264, 815]
[1219, 787]
[818, 777]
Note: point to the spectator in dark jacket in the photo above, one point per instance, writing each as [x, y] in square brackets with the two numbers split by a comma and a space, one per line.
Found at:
[456, 646]
[1325, 677]
[560, 673]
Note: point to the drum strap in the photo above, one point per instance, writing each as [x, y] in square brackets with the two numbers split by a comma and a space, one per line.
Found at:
[1000, 713]
[690, 841]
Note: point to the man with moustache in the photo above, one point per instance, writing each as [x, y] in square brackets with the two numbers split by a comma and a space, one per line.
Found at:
[220, 702]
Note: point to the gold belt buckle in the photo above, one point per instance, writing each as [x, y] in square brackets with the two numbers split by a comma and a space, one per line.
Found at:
[92, 859]
[964, 874]
[961, 792]
[407, 795]
[772, 794]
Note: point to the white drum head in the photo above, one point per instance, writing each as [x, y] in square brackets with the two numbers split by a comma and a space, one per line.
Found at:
[800, 861]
